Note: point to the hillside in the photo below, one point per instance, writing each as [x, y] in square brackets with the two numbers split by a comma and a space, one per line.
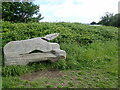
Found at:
[90, 49]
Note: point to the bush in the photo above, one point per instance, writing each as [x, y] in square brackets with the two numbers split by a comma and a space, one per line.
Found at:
[69, 32]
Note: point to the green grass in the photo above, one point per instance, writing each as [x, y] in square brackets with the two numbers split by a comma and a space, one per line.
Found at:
[92, 56]
[92, 72]
[89, 79]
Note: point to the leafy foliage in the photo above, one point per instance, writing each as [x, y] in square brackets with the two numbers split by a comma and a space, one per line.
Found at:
[92, 23]
[20, 12]
[110, 20]
[69, 33]
[86, 46]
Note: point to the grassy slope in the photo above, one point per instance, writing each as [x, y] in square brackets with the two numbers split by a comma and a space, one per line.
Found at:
[91, 50]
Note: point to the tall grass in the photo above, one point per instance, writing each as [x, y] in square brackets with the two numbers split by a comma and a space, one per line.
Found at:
[94, 55]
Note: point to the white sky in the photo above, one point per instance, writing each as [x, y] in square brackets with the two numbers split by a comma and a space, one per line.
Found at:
[84, 11]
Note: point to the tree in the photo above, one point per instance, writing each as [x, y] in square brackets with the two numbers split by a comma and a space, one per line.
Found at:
[106, 19]
[92, 23]
[20, 12]
[110, 20]
[115, 20]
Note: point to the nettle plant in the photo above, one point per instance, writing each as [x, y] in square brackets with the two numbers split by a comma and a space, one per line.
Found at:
[81, 43]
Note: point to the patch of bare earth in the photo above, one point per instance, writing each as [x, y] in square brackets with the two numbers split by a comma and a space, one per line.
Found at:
[47, 73]
[62, 78]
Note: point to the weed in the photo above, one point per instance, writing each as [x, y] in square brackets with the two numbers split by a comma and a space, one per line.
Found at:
[59, 86]
[49, 86]
[71, 84]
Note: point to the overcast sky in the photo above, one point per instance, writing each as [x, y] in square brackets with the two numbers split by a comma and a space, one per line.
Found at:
[83, 11]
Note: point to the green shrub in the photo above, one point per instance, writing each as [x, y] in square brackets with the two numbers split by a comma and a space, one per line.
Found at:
[69, 32]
